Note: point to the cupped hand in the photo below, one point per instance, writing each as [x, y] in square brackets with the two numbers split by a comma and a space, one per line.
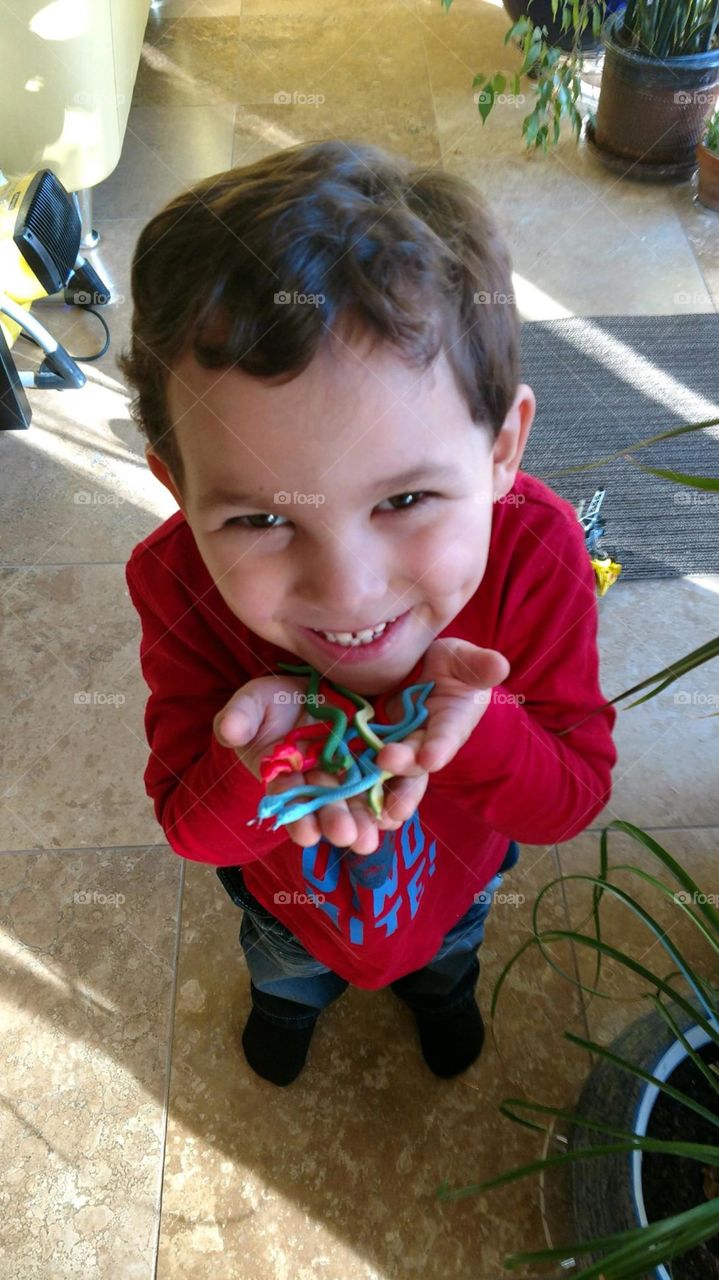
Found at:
[464, 675]
[259, 716]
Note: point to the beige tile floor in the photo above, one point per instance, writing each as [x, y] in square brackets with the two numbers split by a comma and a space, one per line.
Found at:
[136, 1141]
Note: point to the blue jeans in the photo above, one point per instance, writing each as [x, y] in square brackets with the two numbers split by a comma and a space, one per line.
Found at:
[289, 985]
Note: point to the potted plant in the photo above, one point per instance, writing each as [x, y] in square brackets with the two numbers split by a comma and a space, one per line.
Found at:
[623, 1151]
[653, 1096]
[660, 79]
[659, 86]
[708, 160]
[555, 72]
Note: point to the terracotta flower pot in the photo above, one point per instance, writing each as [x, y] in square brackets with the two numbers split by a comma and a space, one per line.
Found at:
[708, 191]
[652, 112]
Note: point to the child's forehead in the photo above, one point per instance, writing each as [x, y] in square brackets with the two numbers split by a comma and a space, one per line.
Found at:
[340, 384]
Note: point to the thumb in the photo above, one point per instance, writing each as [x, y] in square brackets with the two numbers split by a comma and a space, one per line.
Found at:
[468, 663]
[239, 720]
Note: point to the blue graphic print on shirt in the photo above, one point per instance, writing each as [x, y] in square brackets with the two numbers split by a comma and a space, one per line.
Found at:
[378, 872]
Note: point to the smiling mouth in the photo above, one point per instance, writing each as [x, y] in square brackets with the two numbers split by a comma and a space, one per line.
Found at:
[357, 639]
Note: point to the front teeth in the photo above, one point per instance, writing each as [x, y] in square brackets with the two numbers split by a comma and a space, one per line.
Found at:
[354, 639]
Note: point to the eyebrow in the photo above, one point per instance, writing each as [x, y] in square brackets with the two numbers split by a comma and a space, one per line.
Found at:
[222, 497]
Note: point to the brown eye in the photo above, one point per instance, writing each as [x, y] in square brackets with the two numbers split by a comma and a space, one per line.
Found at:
[239, 521]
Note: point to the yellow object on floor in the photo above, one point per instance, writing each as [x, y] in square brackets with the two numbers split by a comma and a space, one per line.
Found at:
[606, 572]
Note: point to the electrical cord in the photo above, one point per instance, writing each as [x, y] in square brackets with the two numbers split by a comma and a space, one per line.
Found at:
[80, 359]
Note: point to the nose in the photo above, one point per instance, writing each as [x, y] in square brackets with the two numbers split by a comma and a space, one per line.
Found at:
[340, 585]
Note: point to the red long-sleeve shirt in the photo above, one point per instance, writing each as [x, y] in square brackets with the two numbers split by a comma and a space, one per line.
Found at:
[377, 918]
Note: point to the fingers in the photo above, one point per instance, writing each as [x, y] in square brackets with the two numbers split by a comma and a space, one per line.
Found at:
[402, 796]
[401, 757]
[349, 824]
[347, 829]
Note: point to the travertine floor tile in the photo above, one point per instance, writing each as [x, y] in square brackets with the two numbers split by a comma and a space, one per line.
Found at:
[75, 697]
[89, 941]
[340, 1170]
[667, 767]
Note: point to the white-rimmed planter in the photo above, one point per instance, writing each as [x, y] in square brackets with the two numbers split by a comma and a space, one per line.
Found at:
[606, 1194]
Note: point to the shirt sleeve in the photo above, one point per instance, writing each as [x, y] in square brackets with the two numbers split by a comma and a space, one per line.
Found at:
[518, 771]
[202, 793]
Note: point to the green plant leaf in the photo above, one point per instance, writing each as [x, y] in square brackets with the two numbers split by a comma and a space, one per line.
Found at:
[633, 448]
[678, 477]
[485, 102]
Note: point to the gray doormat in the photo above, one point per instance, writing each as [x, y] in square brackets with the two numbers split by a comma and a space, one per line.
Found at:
[605, 382]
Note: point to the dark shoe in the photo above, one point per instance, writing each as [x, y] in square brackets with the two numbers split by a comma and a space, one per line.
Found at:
[450, 1026]
[275, 1052]
[452, 1041]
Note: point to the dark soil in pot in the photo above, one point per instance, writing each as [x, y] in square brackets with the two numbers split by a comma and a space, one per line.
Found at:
[540, 11]
[672, 1184]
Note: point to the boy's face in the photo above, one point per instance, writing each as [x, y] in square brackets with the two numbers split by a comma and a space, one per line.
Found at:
[334, 543]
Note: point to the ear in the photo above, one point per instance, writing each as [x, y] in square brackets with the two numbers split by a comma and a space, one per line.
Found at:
[510, 443]
[162, 473]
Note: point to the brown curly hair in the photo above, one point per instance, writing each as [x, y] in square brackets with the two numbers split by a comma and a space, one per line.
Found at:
[415, 253]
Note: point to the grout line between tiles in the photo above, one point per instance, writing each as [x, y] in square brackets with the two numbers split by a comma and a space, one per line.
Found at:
[128, 848]
[168, 1072]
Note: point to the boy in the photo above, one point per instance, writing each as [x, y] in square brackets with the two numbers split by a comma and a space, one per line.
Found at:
[317, 337]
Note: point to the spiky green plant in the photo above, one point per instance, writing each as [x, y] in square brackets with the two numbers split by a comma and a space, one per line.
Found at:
[667, 29]
[634, 1253]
